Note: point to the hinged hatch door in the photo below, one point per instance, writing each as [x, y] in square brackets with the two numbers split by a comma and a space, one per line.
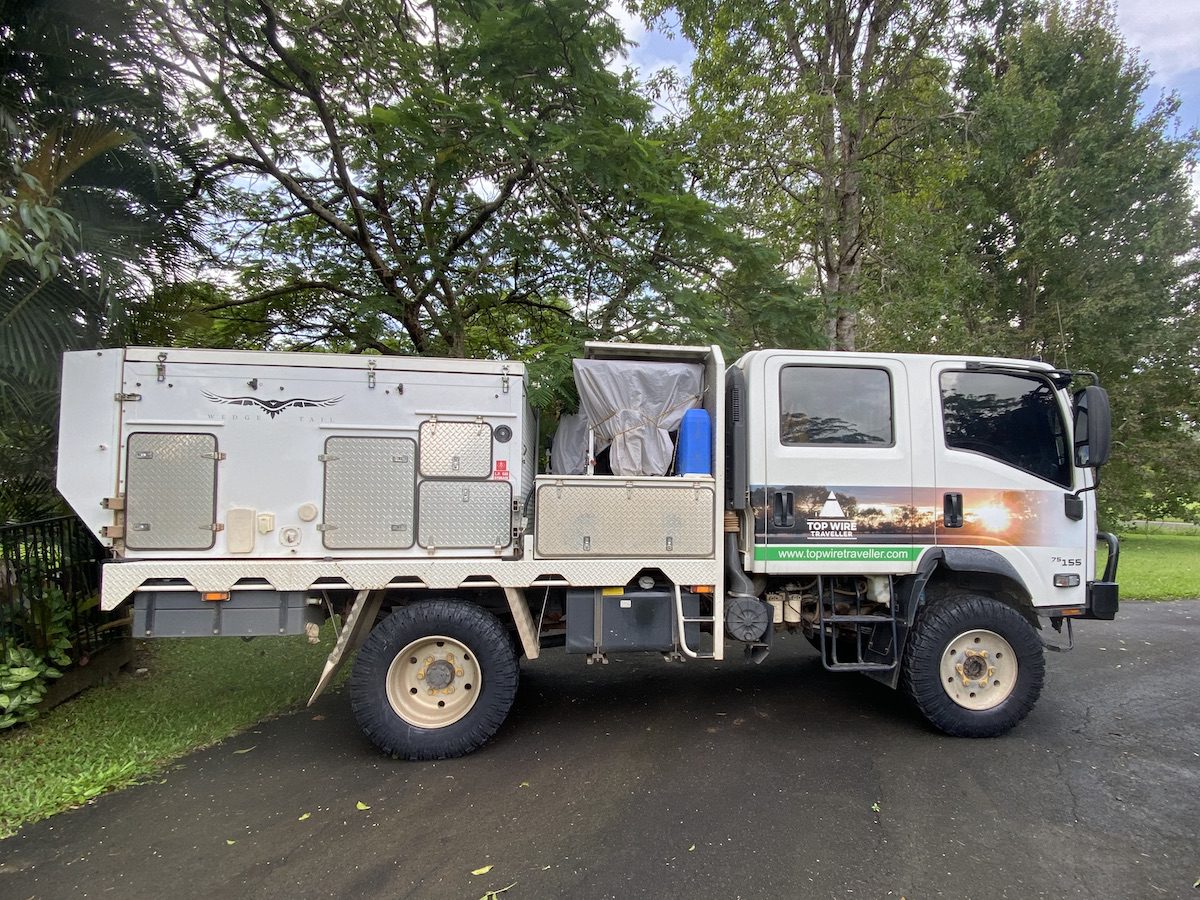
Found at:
[369, 492]
[466, 514]
[456, 449]
[171, 491]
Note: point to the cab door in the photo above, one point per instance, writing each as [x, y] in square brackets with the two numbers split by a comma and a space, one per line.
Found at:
[1005, 477]
[838, 491]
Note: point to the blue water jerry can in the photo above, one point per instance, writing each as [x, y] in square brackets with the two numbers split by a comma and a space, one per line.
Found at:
[694, 454]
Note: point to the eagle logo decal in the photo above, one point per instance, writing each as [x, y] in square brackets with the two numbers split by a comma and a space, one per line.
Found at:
[271, 407]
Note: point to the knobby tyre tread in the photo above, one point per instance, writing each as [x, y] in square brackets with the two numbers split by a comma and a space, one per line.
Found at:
[938, 623]
[473, 626]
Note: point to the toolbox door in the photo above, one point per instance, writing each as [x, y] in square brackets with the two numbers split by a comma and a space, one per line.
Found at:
[171, 490]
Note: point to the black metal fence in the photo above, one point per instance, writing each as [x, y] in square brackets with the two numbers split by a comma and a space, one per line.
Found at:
[49, 586]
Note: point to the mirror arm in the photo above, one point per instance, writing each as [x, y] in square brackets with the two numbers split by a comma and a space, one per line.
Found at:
[1095, 482]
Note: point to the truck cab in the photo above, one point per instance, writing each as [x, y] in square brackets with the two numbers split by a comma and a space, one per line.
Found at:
[863, 464]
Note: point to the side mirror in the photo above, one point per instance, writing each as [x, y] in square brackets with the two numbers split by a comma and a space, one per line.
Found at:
[1093, 427]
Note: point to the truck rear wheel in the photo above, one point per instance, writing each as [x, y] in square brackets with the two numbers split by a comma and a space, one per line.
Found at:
[973, 665]
[434, 680]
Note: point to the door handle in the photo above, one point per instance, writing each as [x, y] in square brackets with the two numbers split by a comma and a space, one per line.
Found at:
[782, 505]
[952, 510]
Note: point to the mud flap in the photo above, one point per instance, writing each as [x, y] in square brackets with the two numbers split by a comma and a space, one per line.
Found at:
[354, 631]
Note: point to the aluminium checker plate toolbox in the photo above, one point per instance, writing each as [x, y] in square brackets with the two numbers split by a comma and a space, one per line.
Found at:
[613, 516]
[171, 488]
[369, 492]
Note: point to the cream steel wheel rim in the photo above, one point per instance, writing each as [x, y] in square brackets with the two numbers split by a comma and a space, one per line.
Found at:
[433, 682]
[979, 670]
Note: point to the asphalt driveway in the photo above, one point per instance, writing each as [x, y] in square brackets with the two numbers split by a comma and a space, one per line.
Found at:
[648, 779]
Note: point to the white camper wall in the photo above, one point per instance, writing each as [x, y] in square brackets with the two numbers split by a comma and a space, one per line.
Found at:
[280, 432]
[89, 442]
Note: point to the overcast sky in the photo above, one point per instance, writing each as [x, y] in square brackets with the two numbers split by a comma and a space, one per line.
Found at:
[1166, 32]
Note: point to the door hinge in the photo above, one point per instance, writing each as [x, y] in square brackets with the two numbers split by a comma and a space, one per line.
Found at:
[215, 455]
[126, 398]
[326, 457]
[113, 503]
[504, 380]
[214, 527]
[162, 367]
[112, 531]
[326, 526]
[371, 374]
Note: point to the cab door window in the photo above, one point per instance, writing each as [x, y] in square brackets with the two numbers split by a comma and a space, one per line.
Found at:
[835, 405]
[1011, 418]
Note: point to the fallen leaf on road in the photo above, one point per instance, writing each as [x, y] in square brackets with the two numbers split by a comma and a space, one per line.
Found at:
[303, 817]
[875, 806]
[247, 750]
[482, 870]
[361, 805]
[691, 848]
[492, 895]
[523, 784]
[229, 842]
[318, 717]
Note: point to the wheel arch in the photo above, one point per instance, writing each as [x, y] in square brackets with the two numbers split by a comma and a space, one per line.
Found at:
[943, 570]
[509, 605]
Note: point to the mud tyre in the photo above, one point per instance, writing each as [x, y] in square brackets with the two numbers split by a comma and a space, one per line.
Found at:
[434, 680]
[974, 666]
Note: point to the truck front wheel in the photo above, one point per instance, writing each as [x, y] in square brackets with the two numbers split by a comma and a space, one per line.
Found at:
[973, 665]
[434, 680]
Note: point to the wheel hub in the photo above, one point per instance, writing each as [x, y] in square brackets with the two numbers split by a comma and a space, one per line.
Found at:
[975, 667]
[433, 682]
[979, 669]
[439, 673]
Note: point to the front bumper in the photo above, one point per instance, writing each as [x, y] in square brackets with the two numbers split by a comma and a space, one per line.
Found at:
[1102, 599]
[1102, 595]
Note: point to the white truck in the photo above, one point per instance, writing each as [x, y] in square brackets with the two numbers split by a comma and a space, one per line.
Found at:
[920, 519]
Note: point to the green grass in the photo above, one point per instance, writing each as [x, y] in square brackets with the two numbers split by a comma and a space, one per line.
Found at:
[1158, 566]
[198, 691]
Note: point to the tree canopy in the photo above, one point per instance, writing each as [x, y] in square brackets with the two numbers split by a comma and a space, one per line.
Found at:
[94, 194]
[483, 177]
[436, 177]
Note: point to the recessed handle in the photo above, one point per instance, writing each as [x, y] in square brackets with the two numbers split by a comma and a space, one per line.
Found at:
[783, 504]
[952, 510]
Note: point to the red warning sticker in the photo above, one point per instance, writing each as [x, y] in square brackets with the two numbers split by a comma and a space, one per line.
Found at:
[501, 469]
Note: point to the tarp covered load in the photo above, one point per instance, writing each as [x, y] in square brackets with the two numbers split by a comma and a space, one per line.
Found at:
[569, 452]
[634, 405]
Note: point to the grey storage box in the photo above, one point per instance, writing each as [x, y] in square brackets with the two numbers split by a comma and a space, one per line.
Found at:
[245, 614]
[599, 620]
